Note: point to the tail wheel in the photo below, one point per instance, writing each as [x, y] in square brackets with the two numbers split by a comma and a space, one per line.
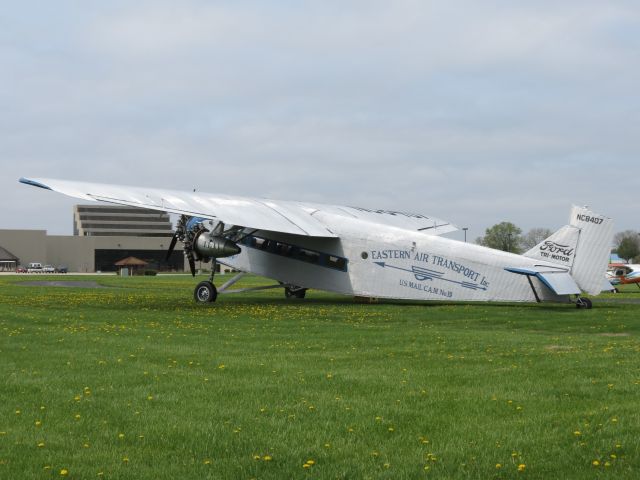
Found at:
[205, 292]
[295, 292]
[584, 303]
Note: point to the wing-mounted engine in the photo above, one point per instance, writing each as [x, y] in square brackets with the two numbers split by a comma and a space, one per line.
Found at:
[202, 243]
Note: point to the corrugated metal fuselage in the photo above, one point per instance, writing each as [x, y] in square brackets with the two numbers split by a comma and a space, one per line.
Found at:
[366, 260]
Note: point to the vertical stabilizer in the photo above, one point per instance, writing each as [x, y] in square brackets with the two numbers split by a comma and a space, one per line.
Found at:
[583, 247]
[593, 250]
[559, 248]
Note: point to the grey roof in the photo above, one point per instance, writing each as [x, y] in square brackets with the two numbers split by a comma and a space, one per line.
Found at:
[7, 255]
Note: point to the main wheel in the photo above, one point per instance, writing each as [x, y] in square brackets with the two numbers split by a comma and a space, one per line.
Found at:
[584, 303]
[205, 292]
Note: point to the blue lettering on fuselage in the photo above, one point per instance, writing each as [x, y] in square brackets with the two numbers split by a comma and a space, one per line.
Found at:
[390, 254]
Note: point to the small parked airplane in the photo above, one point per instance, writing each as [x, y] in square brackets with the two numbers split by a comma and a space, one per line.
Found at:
[362, 252]
[623, 274]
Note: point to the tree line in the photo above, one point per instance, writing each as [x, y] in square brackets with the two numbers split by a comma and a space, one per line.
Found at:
[508, 237]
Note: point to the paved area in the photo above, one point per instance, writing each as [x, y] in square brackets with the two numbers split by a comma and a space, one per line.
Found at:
[62, 283]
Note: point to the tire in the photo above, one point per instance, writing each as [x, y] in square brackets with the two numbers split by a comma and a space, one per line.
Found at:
[584, 303]
[205, 292]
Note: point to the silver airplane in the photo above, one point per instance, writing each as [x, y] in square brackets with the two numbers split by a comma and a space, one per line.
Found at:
[365, 252]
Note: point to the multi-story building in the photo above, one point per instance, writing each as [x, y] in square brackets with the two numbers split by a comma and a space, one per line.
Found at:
[115, 220]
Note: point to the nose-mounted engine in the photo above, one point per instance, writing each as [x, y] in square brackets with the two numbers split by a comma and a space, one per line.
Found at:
[201, 243]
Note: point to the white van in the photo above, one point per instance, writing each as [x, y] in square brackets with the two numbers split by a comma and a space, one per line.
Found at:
[34, 267]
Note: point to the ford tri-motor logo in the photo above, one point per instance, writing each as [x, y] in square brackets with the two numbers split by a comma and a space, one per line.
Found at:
[556, 251]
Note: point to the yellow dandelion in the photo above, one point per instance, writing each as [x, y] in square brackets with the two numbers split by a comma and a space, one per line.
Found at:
[387, 465]
[38, 423]
[306, 465]
[267, 458]
[77, 417]
[18, 412]
[40, 444]
[577, 433]
[595, 463]
[607, 464]
[522, 467]
[64, 472]
[125, 459]
[311, 462]
[121, 436]
[498, 465]
[207, 462]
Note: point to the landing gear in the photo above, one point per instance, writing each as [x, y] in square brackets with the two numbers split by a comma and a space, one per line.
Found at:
[205, 292]
[583, 303]
[294, 292]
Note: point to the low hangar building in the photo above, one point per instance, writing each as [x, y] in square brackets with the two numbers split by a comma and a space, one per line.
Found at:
[103, 234]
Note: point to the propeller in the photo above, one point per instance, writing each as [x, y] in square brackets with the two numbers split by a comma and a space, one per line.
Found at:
[178, 235]
[192, 264]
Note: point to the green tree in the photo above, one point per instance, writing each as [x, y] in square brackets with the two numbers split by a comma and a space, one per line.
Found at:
[628, 247]
[503, 236]
[533, 237]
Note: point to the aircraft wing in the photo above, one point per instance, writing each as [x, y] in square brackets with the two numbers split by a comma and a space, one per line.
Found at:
[391, 218]
[243, 211]
[261, 214]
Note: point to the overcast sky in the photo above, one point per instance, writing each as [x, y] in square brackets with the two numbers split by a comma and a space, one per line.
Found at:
[472, 111]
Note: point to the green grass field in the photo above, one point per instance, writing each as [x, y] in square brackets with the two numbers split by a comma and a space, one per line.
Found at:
[136, 381]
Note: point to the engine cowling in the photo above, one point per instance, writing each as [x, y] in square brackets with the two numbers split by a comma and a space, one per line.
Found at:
[216, 247]
[199, 243]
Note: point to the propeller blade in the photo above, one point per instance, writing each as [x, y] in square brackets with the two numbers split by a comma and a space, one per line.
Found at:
[192, 265]
[172, 245]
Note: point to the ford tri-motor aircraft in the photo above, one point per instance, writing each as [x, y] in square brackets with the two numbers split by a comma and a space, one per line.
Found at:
[365, 253]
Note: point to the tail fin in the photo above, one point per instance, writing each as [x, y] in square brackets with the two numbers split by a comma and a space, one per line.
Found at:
[583, 247]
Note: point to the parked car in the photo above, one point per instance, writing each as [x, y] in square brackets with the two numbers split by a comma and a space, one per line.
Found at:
[48, 269]
[62, 269]
[34, 267]
[21, 269]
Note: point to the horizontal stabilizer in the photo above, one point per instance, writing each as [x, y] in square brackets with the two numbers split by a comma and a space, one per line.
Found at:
[558, 281]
